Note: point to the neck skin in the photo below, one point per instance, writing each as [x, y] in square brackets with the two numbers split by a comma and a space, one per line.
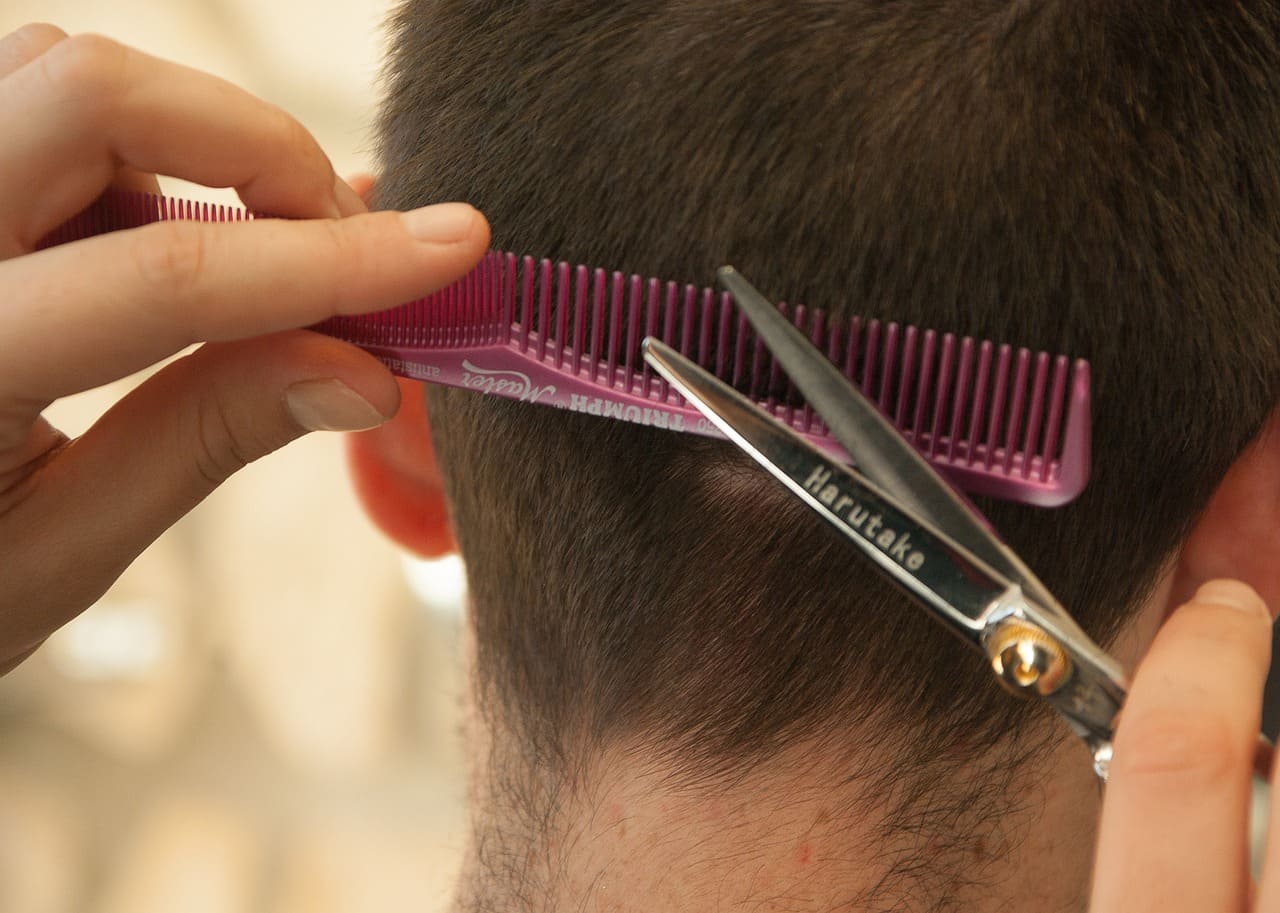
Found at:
[802, 832]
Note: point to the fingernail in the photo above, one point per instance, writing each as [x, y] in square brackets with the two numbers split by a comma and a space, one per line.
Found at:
[1232, 594]
[443, 223]
[330, 405]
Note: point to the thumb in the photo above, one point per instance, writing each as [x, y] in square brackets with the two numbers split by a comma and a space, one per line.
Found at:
[163, 449]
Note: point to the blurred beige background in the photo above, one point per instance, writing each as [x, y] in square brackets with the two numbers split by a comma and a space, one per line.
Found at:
[261, 717]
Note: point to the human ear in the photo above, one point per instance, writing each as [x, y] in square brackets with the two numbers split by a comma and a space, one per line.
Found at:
[1238, 535]
[397, 481]
[393, 467]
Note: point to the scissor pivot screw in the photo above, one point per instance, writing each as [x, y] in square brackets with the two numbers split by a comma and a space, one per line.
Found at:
[1027, 660]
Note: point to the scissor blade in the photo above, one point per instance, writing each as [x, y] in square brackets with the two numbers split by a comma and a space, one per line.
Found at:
[958, 587]
[879, 451]
[925, 562]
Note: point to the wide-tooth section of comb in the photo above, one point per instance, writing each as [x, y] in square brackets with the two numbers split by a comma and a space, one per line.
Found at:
[1002, 422]
[1008, 423]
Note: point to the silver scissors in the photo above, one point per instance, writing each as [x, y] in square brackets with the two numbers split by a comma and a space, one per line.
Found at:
[917, 529]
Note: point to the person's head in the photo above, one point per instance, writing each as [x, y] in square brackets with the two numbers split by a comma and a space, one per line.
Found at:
[1096, 179]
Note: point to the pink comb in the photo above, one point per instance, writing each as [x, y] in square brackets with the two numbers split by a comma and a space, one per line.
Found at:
[999, 422]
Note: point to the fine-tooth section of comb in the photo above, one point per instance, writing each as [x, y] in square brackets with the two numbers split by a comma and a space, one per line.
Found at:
[1002, 422]
[121, 210]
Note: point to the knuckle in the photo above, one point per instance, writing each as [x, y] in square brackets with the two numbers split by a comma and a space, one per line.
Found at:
[297, 143]
[1175, 744]
[36, 35]
[170, 258]
[343, 238]
[336, 241]
[338, 235]
[45, 31]
[293, 136]
[368, 245]
[220, 447]
[289, 130]
[86, 67]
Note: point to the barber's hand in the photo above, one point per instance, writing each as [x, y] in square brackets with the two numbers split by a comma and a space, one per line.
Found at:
[82, 114]
[1173, 834]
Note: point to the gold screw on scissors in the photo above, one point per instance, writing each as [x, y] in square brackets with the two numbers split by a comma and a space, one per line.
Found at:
[1027, 660]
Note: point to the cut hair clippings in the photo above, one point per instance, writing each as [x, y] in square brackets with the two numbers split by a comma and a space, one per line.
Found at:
[997, 421]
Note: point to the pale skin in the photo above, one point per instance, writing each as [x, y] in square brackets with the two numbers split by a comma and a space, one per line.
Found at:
[84, 114]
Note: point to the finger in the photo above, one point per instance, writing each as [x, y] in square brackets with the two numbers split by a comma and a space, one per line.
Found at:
[29, 42]
[17, 49]
[89, 105]
[353, 197]
[132, 179]
[21, 47]
[362, 184]
[1173, 831]
[160, 451]
[105, 307]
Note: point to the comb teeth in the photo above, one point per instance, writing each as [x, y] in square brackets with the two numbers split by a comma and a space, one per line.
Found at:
[121, 210]
[959, 406]
[1012, 424]
[968, 406]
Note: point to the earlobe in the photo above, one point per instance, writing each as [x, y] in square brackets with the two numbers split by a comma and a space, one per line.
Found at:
[1238, 535]
[394, 472]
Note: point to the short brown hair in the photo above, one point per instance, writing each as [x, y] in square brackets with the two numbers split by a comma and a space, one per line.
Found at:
[1094, 178]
